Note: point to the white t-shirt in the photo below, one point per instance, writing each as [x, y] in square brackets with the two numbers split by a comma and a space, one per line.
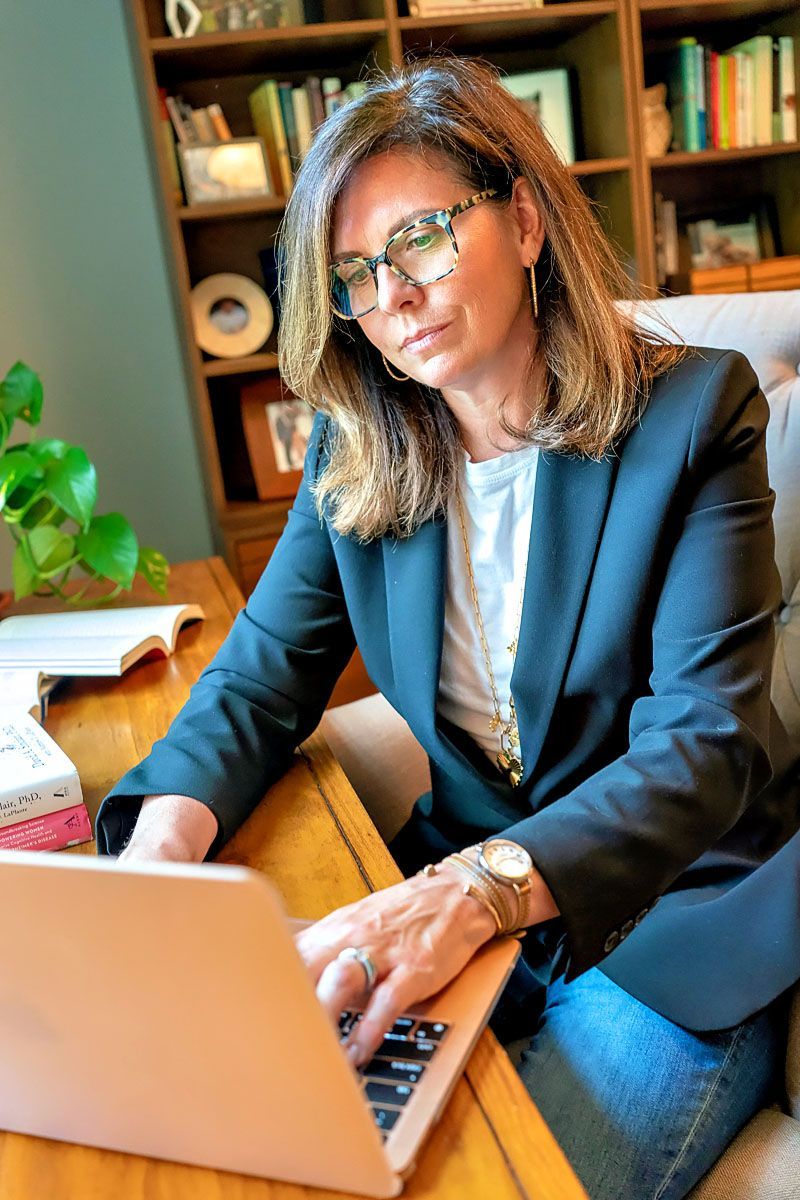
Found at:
[498, 509]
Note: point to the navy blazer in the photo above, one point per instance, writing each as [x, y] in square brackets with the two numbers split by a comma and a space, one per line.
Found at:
[641, 685]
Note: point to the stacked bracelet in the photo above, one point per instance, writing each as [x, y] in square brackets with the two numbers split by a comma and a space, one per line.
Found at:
[488, 891]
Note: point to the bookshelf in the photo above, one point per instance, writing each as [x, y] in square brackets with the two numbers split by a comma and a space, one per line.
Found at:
[612, 49]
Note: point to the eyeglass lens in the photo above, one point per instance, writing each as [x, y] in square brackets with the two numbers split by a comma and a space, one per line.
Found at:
[423, 253]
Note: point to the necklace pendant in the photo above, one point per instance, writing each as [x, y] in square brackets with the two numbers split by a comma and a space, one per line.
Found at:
[510, 765]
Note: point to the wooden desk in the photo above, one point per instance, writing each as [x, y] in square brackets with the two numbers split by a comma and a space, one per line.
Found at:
[491, 1141]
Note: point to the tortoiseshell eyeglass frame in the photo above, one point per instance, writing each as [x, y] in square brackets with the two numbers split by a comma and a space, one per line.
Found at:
[443, 218]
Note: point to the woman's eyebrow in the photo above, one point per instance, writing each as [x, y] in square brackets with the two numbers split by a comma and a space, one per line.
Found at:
[398, 225]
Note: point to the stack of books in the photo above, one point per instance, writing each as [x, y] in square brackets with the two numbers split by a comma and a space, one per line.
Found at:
[41, 803]
[743, 96]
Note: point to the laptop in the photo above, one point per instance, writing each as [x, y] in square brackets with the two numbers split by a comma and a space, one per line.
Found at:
[162, 1009]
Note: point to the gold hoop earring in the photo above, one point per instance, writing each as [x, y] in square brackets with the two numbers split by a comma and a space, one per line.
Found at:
[399, 378]
[534, 293]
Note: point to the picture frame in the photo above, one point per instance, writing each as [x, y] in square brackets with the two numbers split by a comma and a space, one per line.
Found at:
[277, 425]
[216, 172]
[550, 95]
[733, 233]
[231, 314]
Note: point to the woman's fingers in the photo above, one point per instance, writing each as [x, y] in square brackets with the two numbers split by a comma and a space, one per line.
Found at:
[341, 984]
[391, 998]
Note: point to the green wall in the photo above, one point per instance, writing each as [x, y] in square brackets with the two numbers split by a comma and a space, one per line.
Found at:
[85, 294]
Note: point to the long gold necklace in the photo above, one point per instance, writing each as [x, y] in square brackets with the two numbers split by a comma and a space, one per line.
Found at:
[509, 756]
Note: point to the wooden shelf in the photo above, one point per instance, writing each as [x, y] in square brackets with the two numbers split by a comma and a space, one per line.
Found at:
[696, 158]
[255, 207]
[248, 51]
[470, 29]
[657, 14]
[598, 166]
[609, 45]
[254, 516]
[214, 367]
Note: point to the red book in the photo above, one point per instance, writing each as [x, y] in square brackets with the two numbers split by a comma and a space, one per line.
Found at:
[53, 831]
[733, 124]
[714, 98]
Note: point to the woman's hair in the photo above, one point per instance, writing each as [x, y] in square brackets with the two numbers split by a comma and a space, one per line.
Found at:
[394, 446]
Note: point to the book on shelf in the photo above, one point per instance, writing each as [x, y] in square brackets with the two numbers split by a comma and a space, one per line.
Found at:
[443, 8]
[787, 89]
[286, 117]
[735, 98]
[99, 642]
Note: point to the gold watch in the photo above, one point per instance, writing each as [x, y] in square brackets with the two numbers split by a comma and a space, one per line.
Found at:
[511, 864]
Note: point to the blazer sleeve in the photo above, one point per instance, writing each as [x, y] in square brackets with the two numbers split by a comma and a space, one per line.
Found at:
[263, 692]
[699, 739]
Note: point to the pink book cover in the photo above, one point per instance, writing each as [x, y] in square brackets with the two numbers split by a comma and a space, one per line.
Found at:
[53, 831]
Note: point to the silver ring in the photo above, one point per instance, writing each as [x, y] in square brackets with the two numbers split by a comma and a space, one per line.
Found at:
[364, 960]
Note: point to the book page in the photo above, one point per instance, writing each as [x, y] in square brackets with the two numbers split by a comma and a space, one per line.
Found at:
[135, 624]
[68, 656]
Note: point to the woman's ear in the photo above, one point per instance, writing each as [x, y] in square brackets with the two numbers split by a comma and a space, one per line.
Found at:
[528, 221]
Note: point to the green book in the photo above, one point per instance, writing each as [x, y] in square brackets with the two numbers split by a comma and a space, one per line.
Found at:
[684, 88]
[760, 50]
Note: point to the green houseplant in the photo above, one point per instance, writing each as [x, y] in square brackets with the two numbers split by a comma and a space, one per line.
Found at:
[48, 486]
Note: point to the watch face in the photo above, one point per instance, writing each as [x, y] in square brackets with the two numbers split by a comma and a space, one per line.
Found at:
[507, 859]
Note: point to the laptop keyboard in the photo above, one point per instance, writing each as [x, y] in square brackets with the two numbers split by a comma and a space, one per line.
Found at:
[391, 1075]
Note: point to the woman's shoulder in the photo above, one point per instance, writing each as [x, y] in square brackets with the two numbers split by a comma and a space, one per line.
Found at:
[704, 393]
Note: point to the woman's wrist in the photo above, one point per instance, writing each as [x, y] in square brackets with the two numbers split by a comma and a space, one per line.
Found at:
[172, 827]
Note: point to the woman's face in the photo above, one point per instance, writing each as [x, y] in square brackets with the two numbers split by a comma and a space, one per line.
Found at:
[475, 314]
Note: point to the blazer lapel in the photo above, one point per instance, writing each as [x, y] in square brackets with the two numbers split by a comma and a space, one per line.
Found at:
[570, 504]
[415, 569]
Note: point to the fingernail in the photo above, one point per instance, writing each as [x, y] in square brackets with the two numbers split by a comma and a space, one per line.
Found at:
[354, 1053]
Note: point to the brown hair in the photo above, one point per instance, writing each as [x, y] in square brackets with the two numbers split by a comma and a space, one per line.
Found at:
[394, 446]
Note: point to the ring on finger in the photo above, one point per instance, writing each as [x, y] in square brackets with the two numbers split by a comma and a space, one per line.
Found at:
[365, 960]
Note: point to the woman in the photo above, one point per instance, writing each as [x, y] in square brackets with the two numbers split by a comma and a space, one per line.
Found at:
[587, 666]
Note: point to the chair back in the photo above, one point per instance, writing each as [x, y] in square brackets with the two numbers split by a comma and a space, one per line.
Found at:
[765, 327]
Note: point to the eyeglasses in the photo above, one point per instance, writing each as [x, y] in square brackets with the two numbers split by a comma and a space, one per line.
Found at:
[421, 253]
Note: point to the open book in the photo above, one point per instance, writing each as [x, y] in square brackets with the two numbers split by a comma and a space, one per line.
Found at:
[100, 642]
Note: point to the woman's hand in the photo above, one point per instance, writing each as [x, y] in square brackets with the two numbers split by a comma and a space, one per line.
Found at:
[420, 934]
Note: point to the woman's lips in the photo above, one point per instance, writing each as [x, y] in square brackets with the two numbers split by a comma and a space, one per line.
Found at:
[418, 344]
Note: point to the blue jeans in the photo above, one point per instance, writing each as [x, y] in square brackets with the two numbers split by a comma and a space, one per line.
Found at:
[641, 1107]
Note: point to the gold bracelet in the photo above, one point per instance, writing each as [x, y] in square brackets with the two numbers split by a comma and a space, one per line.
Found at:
[486, 885]
[522, 905]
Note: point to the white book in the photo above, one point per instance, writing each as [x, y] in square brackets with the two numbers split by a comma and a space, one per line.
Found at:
[788, 88]
[301, 107]
[36, 776]
[27, 689]
[98, 642]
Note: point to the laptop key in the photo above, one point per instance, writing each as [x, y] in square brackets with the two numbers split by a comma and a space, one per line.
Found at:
[410, 1051]
[385, 1118]
[402, 1026]
[430, 1031]
[387, 1093]
[391, 1068]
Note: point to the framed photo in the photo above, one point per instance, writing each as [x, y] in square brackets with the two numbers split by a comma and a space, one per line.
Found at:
[217, 171]
[734, 234]
[277, 426]
[548, 95]
[231, 314]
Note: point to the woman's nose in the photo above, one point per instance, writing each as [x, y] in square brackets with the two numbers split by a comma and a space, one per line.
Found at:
[394, 292]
